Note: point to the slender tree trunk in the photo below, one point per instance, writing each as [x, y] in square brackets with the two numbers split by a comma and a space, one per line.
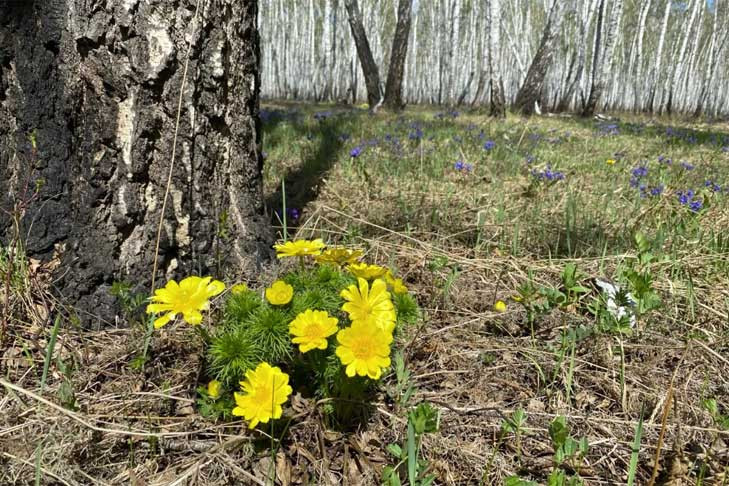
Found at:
[601, 68]
[659, 57]
[710, 64]
[498, 103]
[531, 89]
[369, 67]
[639, 83]
[97, 92]
[398, 55]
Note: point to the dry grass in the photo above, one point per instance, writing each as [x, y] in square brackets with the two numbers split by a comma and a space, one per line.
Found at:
[477, 366]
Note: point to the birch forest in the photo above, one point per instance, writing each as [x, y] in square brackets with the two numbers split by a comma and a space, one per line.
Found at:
[661, 56]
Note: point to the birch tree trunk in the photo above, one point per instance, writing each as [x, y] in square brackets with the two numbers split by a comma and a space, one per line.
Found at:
[659, 56]
[398, 55]
[679, 61]
[498, 103]
[98, 88]
[603, 64]
[448, 52]
[710, 64]
[369, 67]
[639, 83]
[531, 89]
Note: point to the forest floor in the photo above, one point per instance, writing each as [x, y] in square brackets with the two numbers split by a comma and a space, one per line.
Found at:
[469, 211]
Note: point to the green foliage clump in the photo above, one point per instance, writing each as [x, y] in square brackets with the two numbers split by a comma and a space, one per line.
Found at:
[240, 306]
[255, 330]
[268, 329]
[407, 308]
[231, 354]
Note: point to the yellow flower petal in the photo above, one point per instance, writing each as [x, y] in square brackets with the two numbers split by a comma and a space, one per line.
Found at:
[299, 248]
[238, 289]
[367, 272]
[214, 389]
[279, 293]
[370, 304]
[193, 317]
[266, 389]
[312, 328]
[500, 306]
[364, 350]
[339, 256]
[191, 296]
[164, 319]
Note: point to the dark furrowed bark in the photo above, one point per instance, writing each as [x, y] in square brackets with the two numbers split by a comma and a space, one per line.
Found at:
[369, 67]
[393, 89]
[97, 89]
[531, 90]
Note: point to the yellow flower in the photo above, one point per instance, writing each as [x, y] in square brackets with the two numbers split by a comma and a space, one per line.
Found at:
[396, 283]
[280, 293]
[500, 306]
[238, 289]
[265, 389]
[312, 328]
[214, 389]
[299, 248]
[367, 272]
[188, 298]
[364, 349]
[339, 256]
[610, 161]
[371, 305]
[516, 298]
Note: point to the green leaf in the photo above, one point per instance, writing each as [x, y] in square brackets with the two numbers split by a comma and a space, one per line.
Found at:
[517, 481]
[556, 478]
[395, 450]
[427, 480]
[579, 289]
[412, 455]
[558, 431]
[633, 467]
[390, 476]
[424, 418]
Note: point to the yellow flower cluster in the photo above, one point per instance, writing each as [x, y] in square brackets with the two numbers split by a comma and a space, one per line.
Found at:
[364, 347]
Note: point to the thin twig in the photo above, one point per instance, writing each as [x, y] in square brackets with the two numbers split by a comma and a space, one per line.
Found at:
[79, 419]
[42, 469]
[174, 146]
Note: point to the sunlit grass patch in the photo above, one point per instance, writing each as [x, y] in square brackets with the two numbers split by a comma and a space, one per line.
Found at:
[475, 209]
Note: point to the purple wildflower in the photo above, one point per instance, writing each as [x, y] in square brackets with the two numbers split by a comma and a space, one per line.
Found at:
[641, 171]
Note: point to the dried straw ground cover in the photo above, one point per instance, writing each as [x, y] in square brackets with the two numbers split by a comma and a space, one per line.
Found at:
[539, 214]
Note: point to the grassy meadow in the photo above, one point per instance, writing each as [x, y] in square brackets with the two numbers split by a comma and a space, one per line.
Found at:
[510, 234]
[472, 211]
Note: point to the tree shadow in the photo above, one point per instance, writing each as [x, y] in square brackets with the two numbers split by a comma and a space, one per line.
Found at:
[302, 184]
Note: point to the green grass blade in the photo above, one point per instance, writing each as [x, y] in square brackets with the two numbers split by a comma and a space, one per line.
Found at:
[49, 352]
[633, 467]
[412, 455]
